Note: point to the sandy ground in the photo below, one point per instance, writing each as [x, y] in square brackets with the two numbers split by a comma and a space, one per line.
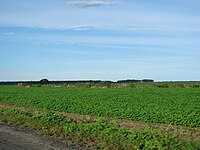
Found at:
[15, 138]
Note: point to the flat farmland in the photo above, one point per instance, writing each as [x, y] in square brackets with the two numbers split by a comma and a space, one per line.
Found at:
[176, 106]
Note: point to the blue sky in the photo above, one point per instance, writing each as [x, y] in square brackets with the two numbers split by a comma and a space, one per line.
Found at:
[99, 39]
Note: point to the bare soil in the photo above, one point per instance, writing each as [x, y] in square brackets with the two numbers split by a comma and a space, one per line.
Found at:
[17, 138]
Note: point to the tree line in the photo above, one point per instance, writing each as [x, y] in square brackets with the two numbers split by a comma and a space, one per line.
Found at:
[46, 81]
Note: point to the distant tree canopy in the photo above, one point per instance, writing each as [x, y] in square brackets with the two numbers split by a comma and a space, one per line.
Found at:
[44, 81]
[147, 80]
[135, 81]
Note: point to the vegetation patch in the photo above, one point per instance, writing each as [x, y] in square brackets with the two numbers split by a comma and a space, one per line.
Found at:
[109, 118]
[176, 106]
[102, 133]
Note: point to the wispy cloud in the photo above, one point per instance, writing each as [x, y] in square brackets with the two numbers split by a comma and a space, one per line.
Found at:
[113, 27]
[129, 27]
[127, 62]
[9, 33]
[83, 28]
[90, 3]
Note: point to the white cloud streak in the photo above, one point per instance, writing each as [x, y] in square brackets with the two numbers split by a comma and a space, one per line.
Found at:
[114, 27]
[90, 3]
[83, 28]
[9, 33]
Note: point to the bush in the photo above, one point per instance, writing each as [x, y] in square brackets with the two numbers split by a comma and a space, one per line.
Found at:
[195, 85]
[162, 85]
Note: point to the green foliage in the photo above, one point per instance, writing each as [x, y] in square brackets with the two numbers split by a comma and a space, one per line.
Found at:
[196, 85]
[162, 85]
[102, 134]
[179, 106]
[111, 136]
[51, 117]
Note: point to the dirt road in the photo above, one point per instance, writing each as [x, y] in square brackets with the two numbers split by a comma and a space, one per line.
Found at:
[15, 138]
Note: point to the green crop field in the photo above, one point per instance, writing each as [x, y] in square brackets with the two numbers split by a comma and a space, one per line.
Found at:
[179, 106]
[108, 118]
